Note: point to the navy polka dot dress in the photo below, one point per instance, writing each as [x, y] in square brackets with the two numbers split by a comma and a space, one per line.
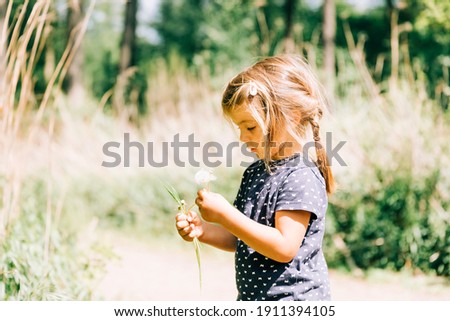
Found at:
[293, 185]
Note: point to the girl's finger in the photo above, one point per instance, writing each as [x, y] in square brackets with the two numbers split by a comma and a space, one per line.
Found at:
[187, 238]
[193, 234]
[185, 231]
[181, 225]
[201, 193]
[199, 202]
[194, 217]
[181, 217]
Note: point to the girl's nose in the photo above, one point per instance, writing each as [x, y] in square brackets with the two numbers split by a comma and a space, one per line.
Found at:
[243, 137]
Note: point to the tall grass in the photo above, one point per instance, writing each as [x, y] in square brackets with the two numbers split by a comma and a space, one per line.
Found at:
[55, 193]
[392, 207]
[39, 259]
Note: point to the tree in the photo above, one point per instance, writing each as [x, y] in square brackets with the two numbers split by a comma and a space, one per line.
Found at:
[127, 57]
[128, 43]
[431, 42]
[433, 16]
[74, 78]
[289, 10]
[329, 34]
[180, 27]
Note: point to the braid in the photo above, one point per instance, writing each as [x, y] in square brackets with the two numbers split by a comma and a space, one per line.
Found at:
[322, 159]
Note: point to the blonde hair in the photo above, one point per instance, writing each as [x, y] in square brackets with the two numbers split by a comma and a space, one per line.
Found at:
[282, 91]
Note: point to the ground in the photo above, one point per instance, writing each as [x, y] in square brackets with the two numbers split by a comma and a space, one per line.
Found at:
[167, 271]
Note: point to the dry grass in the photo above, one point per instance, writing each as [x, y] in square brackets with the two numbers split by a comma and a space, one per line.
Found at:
[32, 198]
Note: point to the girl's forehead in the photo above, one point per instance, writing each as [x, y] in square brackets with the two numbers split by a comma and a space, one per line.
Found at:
[241, 114]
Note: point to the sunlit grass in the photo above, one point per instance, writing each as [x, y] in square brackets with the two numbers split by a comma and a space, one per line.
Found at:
[39, 260]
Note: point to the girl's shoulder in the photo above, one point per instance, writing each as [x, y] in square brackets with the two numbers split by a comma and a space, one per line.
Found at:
[301, 168]
[310, 173]
[280, 170]
[302, 187]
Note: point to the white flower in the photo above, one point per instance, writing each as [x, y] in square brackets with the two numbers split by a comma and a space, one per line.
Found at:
[203, 177]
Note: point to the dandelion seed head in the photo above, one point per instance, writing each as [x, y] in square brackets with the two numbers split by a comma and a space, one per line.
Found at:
[203, 177]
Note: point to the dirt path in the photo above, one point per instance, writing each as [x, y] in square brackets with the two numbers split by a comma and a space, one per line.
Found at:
[169, 272]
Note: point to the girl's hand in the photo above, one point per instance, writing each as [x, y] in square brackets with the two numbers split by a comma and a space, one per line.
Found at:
[213, 207]
[189, 226]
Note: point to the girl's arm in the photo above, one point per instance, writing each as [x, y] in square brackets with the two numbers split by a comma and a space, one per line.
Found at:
[219, 237]
[280, 243]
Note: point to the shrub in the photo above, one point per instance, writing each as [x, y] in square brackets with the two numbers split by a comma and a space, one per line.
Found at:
[392, 210]
[40, 260]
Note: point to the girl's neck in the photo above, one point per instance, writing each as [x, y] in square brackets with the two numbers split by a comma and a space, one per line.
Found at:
[287, 149]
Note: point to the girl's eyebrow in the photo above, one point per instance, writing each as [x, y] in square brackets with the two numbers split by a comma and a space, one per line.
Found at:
[244, 121]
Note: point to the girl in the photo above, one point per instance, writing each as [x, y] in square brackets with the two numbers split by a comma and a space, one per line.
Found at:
[276, 225]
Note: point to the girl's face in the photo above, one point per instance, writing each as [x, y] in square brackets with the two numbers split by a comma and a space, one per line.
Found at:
[283, 145]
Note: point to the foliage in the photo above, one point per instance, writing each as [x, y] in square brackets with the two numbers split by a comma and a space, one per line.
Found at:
[207, 33]
[432, 18]
[40, 260]
[101, 51]
[222, 35]
[392, 210]
[397, 225]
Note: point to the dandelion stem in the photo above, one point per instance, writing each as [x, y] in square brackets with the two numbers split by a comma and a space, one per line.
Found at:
[197, 254]
[182, 207]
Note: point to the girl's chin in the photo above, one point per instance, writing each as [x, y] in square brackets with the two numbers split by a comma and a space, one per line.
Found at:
[256, 153]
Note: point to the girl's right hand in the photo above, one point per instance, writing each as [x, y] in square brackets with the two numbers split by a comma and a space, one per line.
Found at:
[189, 226]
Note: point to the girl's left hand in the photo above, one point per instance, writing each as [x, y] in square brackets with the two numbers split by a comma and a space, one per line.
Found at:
[212, 206]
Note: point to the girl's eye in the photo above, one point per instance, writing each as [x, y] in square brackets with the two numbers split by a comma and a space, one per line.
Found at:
[251, 128]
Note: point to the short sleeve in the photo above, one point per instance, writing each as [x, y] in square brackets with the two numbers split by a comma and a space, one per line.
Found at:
[303, 189]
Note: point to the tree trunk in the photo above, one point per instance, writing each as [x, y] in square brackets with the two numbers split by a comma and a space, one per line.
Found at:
[127, 56]
[3, 44]
[394, 41]
[289, 11]
[329, 34]
[128, 44]
[74, 78]
[389, 8]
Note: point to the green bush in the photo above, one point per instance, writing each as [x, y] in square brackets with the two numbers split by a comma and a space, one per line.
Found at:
[393, 226]
[392, 210]
[40, 260]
